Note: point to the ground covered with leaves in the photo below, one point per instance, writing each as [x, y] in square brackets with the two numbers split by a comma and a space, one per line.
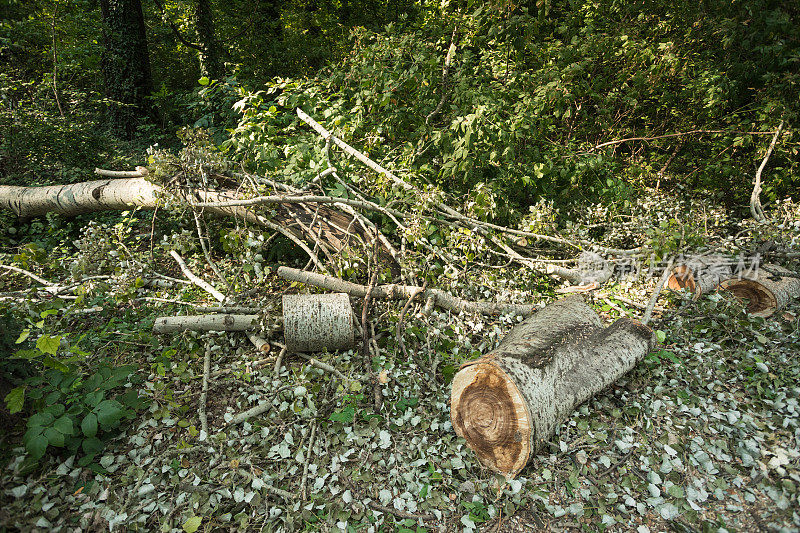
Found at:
[703, 435]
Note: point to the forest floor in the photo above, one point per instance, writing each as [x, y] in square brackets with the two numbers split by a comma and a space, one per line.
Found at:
[703, 435]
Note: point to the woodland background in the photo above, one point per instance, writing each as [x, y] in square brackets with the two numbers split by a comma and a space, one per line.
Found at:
[626, 123]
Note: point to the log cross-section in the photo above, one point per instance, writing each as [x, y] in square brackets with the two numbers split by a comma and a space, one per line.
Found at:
[510, 401]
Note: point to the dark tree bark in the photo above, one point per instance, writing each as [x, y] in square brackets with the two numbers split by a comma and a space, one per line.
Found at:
[126, 63]
[210, 59]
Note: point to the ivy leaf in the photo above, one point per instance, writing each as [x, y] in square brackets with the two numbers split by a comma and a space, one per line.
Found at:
[192, 524]
[48, 344]
[15, 400]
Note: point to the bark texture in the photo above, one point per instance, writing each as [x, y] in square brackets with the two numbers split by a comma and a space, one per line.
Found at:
[511, 400]
[77, 198]
[126, 63]
[764, 292]
[317, 322]
[700, 275]
[225, 322]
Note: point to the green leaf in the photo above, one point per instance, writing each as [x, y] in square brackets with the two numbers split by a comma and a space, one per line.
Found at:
[345, 416]
[23, 336]
[48, 344]
[109, 412]
[15, 400]
[52, 362]
[192, 524]
[37, 446]
[54, 437]
[92, 446]
[89, 425]
[64, 425]
[660, 335]
[204, 81]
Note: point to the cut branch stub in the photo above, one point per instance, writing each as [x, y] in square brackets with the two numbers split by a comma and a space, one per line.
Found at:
[764, 292]
[510, 401]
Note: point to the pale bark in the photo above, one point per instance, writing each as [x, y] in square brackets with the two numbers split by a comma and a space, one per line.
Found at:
[317, 322]
[765, 293]
[77, 198]
[225, 322]
[510, 401]
[755, 197]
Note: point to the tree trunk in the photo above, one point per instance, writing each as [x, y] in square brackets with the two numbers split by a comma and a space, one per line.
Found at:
[210, 60]
[764, 292]
[126, 63]
[77, 198]
[225, 322]
[700, 275]
[509, 402]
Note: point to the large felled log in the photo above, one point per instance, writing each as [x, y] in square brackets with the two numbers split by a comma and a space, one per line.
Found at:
[334, 230]
[510, 401]
[764, 291]
[700, 275]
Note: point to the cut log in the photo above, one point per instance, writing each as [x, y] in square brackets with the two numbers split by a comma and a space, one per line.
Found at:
[317, 322]
[763, 291]
[700, 275]
[509, 402]
[226, 322]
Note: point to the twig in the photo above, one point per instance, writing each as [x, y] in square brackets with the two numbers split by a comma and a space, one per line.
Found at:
[204, 394]
[451, 51]
[648, 312]
[255, 411]
[278, 361]
[399, 336]
[681, 134]
[755, 202]
[196, 280]
[206, 252]
[322, 366]
[261, 344]
[29, 274]
[376, 386]
[307, 461]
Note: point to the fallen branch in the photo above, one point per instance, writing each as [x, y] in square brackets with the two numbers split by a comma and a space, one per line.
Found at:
[222, 322]
[755, 201]
[648, 312]
[140, 172]
[196, 280]
[204, 393]
[680, 134]
[442, 299]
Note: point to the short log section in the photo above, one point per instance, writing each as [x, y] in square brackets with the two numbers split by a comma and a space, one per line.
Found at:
[510, 401]
[764, 292]
[318, 322]
[700, 275]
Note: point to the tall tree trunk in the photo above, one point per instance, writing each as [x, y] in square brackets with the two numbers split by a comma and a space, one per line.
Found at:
[210, 60]
[126, 63]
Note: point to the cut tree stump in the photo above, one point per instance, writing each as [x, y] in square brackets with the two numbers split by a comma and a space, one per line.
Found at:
[510, 401]
[700, 275]
[764, 292]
